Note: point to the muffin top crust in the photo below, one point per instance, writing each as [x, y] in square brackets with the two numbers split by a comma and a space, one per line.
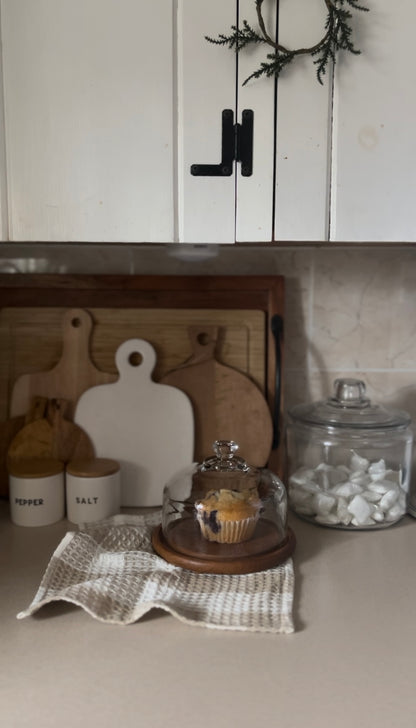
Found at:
[231, 505]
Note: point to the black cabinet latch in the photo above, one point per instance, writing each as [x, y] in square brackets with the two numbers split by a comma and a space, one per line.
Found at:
[236, 145]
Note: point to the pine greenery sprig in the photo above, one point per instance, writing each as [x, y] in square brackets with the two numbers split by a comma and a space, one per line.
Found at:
[337, 36]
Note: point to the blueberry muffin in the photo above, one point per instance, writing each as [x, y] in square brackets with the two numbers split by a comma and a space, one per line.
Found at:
[228, 516]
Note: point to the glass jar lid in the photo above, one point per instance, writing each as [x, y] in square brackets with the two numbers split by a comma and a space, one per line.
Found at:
[349, 407]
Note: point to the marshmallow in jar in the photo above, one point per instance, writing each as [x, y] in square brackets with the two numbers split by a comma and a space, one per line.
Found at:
[92, 489]
[36, 492]
[348, 460]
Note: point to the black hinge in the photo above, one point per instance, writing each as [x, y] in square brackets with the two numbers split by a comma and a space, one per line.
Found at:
[236, 145]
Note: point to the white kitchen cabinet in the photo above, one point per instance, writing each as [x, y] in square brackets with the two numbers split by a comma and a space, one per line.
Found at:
[345, 153]
[3, 178]
[374, 149]
[88, 114]
[108, 104]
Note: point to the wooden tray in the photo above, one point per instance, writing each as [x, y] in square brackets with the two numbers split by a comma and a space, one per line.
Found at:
[236, 564]
[184, 536]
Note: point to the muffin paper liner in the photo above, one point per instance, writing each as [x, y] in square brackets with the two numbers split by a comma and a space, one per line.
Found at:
[230, 531]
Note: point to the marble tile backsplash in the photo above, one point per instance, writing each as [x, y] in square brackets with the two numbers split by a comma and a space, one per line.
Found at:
[349, 311]
[354, 318]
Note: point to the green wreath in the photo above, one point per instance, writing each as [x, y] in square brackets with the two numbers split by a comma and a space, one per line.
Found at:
[337, 36]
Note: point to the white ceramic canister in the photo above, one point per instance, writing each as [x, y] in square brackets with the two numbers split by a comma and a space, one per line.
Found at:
[92, 489]
[36, 492]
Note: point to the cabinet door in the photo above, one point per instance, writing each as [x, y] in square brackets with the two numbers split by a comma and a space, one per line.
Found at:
[374, 172]
[88, 115]
[4, 228]
[108, 103]
[287, 196]
[303, 130]
[221, 209]
[206, 86]
[254, 194]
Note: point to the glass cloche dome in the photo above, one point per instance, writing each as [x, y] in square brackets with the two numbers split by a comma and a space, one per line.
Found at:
[224, 516]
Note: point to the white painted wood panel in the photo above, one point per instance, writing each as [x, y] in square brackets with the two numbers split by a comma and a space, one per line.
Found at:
[374, 171]
[303, 130]
[4, 228]
[255, 194]
[206, 86]
[89, 108]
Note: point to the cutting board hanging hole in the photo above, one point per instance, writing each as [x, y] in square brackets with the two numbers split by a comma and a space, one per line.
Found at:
[135, 359]
[203, 338]
[203, 342]
[76, 323]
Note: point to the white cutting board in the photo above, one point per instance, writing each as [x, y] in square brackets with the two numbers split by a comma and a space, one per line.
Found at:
[147, 427]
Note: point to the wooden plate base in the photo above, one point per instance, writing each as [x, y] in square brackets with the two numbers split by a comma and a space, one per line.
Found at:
[206, 563]
[184, 536]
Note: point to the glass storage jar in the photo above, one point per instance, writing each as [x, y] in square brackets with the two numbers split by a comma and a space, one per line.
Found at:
[224, 516]
[348, 460]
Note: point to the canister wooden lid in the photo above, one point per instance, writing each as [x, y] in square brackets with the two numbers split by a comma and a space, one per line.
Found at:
[35, 468]
[95, 468]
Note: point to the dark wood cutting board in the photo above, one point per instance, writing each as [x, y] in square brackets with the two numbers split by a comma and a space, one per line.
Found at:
[227, 404]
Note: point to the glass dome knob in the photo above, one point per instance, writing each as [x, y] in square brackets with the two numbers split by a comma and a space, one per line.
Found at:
[225, 449]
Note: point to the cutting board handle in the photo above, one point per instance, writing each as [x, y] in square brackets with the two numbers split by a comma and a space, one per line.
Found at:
[76, 332]
[74, 373]
[135, 358]
[203, 341]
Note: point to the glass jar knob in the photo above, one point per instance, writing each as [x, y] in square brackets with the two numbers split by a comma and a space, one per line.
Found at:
[350, 392]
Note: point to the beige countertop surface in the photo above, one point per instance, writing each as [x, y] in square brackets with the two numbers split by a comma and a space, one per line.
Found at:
[351, 660]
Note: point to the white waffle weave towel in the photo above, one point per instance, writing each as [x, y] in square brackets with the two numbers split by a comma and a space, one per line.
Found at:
[111, 571]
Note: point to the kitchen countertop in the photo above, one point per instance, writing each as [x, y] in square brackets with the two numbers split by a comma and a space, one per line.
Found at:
[351, 660]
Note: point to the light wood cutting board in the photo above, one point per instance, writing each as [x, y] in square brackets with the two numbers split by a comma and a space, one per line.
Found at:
[72, 375]
[227, 404]
[51, 436]
[9, 430]
[147, 427]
